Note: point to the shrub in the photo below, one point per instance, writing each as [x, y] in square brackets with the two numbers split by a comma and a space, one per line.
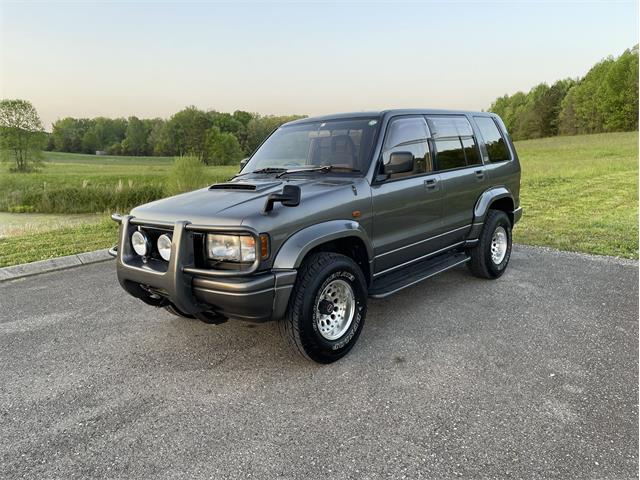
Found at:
[222, 148]
[22, 209]
[73, 199]
[115, 149]
[187, 173]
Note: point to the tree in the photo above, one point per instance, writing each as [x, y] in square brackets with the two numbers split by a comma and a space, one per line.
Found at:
[184, 133]
[68, 134]
[243, 117]
[619, 101]
[222, 148]
[21, 133]
[604, 100]
[155, 127]
[135, 140]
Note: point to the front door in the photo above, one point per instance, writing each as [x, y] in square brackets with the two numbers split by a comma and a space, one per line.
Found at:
[407, 207]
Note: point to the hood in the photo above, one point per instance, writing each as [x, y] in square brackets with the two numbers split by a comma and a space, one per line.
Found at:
[230, 202]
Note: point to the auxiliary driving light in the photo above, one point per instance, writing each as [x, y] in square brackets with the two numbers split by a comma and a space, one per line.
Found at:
[164, 246]
[140, 243]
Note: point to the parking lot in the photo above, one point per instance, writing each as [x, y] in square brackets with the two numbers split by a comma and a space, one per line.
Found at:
[530, 376]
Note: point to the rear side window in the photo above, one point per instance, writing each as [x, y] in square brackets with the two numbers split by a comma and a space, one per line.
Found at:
[454, 142]
[496, 146]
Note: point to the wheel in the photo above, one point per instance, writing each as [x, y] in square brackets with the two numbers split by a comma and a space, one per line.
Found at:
[178, 313]
[327, 308]
[490, 257]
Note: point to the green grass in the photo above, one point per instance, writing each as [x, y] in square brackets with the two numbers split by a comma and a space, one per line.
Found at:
[579, 194]
[100, 185]
[14, 224]
[62, 157]
[57, 243]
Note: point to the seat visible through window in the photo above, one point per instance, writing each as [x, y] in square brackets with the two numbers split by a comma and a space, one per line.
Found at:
[336, 150]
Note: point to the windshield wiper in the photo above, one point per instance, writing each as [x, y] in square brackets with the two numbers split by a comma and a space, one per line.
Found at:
[323, 169]
[262, 170]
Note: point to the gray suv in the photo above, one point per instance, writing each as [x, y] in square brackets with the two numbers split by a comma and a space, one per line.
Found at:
[327, 212]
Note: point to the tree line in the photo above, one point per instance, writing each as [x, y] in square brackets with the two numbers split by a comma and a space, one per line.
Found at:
[217, 138]
[604, 100]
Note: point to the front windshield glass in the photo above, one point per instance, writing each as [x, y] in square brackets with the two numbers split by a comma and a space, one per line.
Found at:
[342, 144]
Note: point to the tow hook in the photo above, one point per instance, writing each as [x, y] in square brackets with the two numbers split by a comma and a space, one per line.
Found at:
[211, 318]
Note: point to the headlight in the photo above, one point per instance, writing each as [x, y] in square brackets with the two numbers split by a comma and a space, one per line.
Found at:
[164, 246]
[140, 243]
[235, 248]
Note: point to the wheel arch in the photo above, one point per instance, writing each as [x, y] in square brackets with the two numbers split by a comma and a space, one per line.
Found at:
[340, 236]
[497, 198]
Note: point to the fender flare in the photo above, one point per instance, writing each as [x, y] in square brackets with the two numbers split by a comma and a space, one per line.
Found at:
[296, 247]
[486, 199]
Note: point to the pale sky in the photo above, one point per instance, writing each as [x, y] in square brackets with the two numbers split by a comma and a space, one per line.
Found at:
[151, 59]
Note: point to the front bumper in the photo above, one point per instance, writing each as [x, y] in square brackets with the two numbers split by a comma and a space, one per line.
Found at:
[248, 295]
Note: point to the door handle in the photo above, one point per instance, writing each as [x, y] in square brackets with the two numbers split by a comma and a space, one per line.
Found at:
[479, 174]
[431, 183]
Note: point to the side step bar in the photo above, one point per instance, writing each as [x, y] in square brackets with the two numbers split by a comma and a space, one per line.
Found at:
[400, 279]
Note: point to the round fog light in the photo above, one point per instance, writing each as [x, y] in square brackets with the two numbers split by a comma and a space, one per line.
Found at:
[164, 246]
[140, 243]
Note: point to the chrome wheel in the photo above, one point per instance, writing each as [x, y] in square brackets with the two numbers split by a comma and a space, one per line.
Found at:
[499, 243]
[335, 307]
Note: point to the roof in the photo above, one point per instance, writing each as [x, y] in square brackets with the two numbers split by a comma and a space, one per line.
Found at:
[380, 113]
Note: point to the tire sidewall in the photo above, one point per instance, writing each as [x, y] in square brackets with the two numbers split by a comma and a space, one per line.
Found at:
[320, 348]
[500, 221]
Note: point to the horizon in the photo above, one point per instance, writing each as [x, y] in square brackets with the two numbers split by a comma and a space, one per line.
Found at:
[345, 57]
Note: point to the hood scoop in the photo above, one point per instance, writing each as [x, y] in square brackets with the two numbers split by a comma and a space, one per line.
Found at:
[258, 187]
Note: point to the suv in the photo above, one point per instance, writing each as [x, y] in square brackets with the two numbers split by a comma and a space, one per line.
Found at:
[327, 212]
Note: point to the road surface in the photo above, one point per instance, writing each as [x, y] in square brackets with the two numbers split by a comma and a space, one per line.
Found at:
[534, 375]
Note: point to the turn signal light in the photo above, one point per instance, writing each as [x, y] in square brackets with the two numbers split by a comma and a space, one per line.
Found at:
[264, 246]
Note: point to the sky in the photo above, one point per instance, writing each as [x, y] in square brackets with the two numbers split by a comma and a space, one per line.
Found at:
[153, 58]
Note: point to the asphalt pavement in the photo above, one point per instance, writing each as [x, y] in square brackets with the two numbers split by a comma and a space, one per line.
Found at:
[534, 375]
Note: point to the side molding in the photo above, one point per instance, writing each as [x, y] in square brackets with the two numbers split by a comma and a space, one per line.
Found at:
[300, 243]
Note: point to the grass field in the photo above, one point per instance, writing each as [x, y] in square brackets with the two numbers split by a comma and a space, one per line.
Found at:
[100, 184]
[579, 194]
[15, 224]
[81, 158]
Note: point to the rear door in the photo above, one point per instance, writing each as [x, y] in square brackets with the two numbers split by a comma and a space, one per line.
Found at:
[463, 175]
[407, 206]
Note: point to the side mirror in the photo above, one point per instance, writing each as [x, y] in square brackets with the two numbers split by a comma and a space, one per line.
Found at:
[243, 162]
[290, 197]
[399, 162]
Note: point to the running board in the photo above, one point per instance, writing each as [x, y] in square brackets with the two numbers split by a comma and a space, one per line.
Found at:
[405, 277]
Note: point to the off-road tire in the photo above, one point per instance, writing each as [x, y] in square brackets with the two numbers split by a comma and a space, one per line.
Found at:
[481, 263]
[178, 313]
[299, 326]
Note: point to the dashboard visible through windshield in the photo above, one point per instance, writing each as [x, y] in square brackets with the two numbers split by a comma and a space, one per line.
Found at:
[341, 144]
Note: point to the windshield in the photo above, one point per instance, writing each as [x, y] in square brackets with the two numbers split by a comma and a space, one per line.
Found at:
[342, 144]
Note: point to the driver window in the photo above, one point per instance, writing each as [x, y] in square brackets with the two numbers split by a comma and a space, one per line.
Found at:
[408, 134]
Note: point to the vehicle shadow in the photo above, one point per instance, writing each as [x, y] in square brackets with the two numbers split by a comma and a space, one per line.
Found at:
[422, 314]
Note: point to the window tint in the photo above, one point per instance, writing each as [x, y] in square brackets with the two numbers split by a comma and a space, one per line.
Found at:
[450, 154]
[442, 127]
[454, 142]
[408, 134]
[496, 146]
[471, 151]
